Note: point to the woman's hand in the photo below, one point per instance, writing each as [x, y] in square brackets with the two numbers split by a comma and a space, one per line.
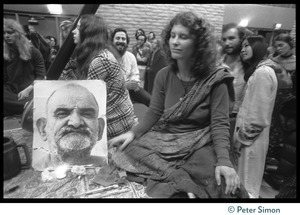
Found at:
[231, 178]
[123, 140]
[25, 93]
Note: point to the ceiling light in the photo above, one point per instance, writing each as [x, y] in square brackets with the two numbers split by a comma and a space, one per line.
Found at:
[277, 26]
[32, 21]
[244, 23]
[55, 8]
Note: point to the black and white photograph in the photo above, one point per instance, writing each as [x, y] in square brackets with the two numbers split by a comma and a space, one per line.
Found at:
[153, 102]
[69, 123]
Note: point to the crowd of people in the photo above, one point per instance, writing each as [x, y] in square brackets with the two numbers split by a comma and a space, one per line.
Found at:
[217, 110]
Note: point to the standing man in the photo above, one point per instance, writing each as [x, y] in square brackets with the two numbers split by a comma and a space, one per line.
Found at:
[128, 63]
[142, 51]
[232, 35]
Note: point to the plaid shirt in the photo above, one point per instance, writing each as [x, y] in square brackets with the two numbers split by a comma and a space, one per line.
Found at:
[119, 108]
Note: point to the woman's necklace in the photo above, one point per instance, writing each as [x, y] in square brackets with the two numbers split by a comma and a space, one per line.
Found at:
[187, 85]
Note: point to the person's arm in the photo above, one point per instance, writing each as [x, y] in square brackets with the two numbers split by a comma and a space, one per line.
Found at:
[68, 72]
[39, 65]
[134, 71]
[156, 107]
[39, 72]
[150, 118]
[221, 137]
[98, 68]
[256, 117]
[220, 124]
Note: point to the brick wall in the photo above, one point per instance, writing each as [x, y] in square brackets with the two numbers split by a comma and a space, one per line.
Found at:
[293, 31]
[153, 17]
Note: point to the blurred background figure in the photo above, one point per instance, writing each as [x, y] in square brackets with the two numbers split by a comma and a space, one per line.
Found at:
[65, 27]
[23, 64]
[284, 45]
[142, 52]
[151, 36]
[40, 43]
[156, 62]
[54, 47]
[282, 149]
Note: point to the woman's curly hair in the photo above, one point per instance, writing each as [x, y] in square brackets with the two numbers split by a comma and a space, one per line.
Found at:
[204, 59]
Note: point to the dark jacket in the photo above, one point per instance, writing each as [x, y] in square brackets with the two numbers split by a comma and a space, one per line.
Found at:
[155, 63]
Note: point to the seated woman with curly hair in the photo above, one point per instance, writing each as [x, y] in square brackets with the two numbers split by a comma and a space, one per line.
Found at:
[181, 145]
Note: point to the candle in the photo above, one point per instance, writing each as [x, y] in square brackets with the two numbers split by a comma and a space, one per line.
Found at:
[61, 171]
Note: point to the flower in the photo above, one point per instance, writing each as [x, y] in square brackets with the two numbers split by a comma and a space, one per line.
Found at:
[79, 170]
[48, 174]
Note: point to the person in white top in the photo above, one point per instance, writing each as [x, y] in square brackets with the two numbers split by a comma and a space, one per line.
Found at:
[129, 66]
[251, 134]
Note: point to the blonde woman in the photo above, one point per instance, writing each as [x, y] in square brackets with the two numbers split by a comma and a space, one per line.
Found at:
[23, 64]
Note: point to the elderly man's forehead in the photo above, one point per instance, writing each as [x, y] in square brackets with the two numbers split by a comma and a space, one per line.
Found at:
[72, 95]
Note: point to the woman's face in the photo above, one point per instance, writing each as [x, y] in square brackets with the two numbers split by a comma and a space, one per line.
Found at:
[246, 52]
[154, 44]
[141, 40]
[181, 42]
[151, 36]
[282, 48]
[9, 35]
[52, 42]
[76, 35]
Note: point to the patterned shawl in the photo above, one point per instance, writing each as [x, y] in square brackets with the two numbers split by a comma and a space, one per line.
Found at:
[201, 89]
[156, 152]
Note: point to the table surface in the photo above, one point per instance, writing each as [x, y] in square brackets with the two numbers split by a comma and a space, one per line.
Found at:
[31, 185]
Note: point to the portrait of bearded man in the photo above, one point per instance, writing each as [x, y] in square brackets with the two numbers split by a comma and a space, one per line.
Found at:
[71, 128]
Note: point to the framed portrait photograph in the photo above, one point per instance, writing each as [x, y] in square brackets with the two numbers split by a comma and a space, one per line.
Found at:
[69, 120]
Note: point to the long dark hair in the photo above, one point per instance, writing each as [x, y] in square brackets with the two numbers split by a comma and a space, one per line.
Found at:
[205, 43]
[94, 36]
[259, 50]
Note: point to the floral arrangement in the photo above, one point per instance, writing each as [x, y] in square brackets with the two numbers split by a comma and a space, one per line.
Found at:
[60, 172]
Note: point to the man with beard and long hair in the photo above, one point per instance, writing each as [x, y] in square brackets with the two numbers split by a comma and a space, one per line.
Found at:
[128, 63]
[232, 36]
[71, 127]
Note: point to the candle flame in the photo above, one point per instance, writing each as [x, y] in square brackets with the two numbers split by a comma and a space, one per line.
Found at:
[60, 171]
